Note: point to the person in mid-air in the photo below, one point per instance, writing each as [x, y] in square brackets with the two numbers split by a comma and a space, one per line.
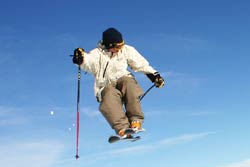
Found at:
[115, 85]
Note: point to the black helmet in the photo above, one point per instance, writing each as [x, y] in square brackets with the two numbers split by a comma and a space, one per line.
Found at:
[111, 38]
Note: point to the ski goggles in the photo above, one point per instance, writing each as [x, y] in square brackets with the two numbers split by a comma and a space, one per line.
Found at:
[119, 45]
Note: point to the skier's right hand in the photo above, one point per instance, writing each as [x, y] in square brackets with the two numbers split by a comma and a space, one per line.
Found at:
[78, 56]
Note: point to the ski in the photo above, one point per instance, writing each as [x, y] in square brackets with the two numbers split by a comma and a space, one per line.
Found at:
[115, 138]
[130, 137]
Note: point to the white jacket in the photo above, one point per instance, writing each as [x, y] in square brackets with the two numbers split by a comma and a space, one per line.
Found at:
[108, 68]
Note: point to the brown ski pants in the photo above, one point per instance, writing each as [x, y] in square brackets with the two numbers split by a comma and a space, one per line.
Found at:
[125, 91]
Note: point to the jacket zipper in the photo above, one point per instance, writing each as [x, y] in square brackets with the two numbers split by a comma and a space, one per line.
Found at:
[105, 69]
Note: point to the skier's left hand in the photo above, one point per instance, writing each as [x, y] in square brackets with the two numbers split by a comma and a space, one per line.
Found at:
[159, 81]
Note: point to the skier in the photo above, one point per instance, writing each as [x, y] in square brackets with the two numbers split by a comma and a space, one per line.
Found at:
[114, 84]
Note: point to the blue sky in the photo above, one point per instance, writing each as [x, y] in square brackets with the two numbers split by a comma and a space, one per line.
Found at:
[199, 119]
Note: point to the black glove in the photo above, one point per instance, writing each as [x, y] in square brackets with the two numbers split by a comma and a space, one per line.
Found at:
[157, 79]
[78, 56]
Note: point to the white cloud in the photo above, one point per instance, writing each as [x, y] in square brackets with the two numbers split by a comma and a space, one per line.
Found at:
[174, 74]
[34, 153]
[12, 121]
[8, 116]
[90, 112]
[202, 113]
[245, 163]
[186, 138]
[171, 113]
[158, 113]
[5, 111]
[177, 42]
[183, 80]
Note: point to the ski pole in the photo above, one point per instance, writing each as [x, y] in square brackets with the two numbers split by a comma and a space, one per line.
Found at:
[142, 96]
[78, 111]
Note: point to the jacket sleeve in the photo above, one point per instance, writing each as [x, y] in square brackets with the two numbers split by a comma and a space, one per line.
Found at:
[90, 61]
[137, 62]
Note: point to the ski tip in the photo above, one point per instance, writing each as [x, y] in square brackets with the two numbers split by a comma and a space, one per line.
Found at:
[138, 137]
[113, 139]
